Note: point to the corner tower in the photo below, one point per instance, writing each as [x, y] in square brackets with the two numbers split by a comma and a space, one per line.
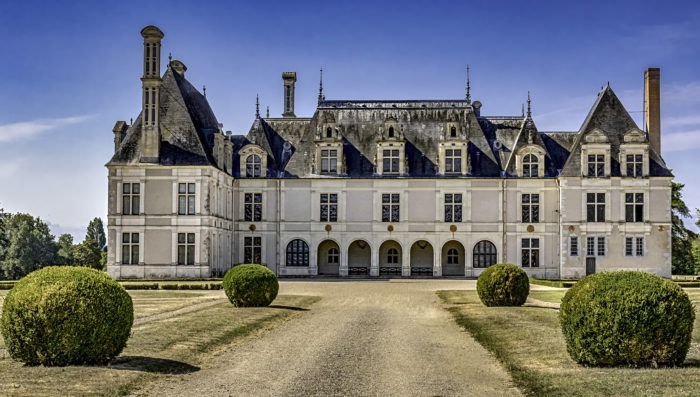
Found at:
[150, 83]
[289, 78]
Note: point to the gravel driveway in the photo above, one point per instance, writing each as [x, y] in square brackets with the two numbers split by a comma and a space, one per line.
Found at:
[364, 338]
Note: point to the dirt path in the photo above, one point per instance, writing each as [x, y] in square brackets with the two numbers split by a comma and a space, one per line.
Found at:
[364, 338]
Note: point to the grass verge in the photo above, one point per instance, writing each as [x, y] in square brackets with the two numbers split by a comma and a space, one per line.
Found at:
[176, 341]
[529, 343]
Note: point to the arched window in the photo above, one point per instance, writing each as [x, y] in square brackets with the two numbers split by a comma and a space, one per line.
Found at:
[530, 166]
[329, 132]
[392, 256]
[253, 166]
[297, 253]
[391, 132]
[333, 256]
[452, 256]
[484, 254]
[453, 131]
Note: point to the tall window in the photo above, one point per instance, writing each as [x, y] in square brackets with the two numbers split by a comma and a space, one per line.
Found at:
[453, 207]
[130, 198]
[634, 207]
[634, 165]
[530, 252]
[452, 256]
[252, 249]
[185, 198]
[573, 246]
[392, 256]
[329, 207]
[530, 208]
[484, 254]
[595, 246]
[253, 166]
[333, 256]
[595, 207]
[297, 253]
[391, 161]
[596, 165]
[253, 207]
[634, 246]
[185, 248]
[130, 248]
[453, 161]
[530, 166]
[329, 161]
[390, 207]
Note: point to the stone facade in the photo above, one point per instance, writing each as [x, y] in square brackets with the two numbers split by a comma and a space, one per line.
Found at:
[382, 188]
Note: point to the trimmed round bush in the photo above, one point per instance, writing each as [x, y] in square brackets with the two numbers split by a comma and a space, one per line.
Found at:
[66, 315]
[250, 285]
[503, 284]
[626, 318]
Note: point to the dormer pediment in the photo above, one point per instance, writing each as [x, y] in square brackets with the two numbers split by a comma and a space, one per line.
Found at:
[596, 136]
[635, 135]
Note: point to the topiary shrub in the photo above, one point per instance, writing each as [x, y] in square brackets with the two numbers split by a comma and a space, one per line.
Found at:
[626, 318]
[66, 315]
[250, 285]
[503, 284]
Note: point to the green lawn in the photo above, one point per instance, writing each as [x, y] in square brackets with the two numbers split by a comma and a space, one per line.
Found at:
[529, 343]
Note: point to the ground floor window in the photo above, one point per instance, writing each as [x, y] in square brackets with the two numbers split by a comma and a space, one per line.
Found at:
[130, 248]
[530, 252]
[252, 250]
[297, 253]
[634, 246]
[485, 254]
[333, 256]
[452, 256]
[185, 248]
[595, 246]
[392, 256]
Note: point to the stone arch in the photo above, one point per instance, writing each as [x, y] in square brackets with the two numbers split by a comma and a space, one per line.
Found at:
[390, 258]
[453, 258]
[359, 258]
[328, 258]
[422, 257]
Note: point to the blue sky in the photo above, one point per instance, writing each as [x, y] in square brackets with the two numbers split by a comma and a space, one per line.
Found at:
[71, 69]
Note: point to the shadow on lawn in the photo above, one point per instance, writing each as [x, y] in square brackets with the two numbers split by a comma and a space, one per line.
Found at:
[297, 309]
[152, 365]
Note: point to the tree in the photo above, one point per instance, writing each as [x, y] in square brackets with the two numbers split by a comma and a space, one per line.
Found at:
[30, 245]
[682, 260]
[88, 254]
[3, 234]
[96, 231]
[65, 250]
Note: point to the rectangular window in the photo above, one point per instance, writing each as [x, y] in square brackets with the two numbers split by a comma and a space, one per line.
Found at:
[390, 207]
[252, 250]
[596, 165]
[185, 248]
[453, 161]
[130, 248]
[131, 198]
[185, 198]
[634, 246]
[595, 207]
[329, 207]
[590, 246]
[573, 246]
[391, 161]
[595, 246]
[531, 252]
[253, 207]
[601, 246]
[453, 207]
[531, 208]
[634, 207]
[329, 161]
[634, 165]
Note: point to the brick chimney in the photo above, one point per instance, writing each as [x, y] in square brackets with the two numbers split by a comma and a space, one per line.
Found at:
[652, 107]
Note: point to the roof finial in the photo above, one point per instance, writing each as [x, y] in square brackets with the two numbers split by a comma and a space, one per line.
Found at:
[257, 106]
[170, 58]
[522, 110]
[204, 90]
[267, 114]
[529, 109]
[320, 89]
[469, 94]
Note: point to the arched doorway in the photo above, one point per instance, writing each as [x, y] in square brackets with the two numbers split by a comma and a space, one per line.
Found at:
[328, 258]
[484, 254]
[390, 260]
[453, 259]
[421, 258]
[359, 258]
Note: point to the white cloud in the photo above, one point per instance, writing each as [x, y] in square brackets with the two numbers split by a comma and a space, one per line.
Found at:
[679, 141]
[28, 129]
[687, 92]
[9, 168]
[681, 121]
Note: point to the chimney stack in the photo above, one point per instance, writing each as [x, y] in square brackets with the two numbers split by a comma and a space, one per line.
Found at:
[289, 78]
[652, 107]
[150, 83]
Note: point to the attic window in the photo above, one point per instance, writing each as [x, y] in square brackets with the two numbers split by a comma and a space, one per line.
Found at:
[253, 166]
[391, 132]
[453, 131]
[530, 166]
[329, 132]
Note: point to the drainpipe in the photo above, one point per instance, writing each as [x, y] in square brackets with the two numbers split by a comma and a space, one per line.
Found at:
[504, 214]
[277, 226]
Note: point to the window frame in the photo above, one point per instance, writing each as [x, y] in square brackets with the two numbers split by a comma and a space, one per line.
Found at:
[530, 249]
[253, 166]
[634, 207]
[596, 206]
[328, 207]
[453, 161]
[329, 161]
[596, 246]
[253, 208]
[595, 165]
[186, 251]
[297, 253]
[531, 165]
[453, 210]
[130, 248]
[530, 207]
[484, 254]
[391, 207]
[573, 246]
[252, 249]
[131, 198]
[636, 165]
[186, 198]
[391, 162]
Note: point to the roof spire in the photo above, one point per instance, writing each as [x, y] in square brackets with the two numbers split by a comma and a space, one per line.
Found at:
[257, 106]
[204, 90]
[529, 109]
[469, 94]
[170, 58]
[320, 89]
[267, 114]
[522, 110]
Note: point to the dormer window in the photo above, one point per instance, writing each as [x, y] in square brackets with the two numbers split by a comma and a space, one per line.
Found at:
[329, 132]
[329, 161]
[253, 166]
[634, 165]
[453, 132]
[391, 160]
[453, 161]
[530, 166]
[596, 165]
[253, 161]
[391, 132]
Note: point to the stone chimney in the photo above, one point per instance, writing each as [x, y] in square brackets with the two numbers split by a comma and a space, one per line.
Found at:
[119, 130]
[652, 107]
[289, 78]
[150, 82]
